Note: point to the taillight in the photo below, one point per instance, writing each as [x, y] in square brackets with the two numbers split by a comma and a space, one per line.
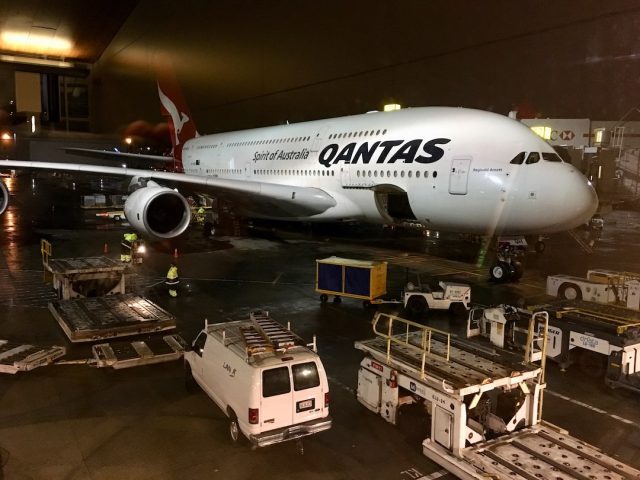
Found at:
[254, 416]
[393, 379]
[326, 400]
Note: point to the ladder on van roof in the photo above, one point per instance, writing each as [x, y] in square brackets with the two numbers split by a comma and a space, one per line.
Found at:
[267, 335]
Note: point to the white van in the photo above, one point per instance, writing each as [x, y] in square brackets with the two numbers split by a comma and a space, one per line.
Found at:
[270, 384]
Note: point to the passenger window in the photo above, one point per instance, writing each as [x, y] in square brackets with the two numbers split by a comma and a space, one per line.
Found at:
[198, 344]
[551, 157]
[518, 159]
[305, 375]
[275, 381]
[534, 157]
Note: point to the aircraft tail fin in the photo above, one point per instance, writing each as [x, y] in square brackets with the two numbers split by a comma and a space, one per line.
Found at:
[173, 106]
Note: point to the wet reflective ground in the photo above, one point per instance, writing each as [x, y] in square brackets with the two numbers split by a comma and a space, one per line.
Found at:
[77, 422]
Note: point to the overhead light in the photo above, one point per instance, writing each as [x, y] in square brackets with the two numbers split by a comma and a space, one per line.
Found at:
[45, 62]
[128, 140]
[37, 40]
[389, 107]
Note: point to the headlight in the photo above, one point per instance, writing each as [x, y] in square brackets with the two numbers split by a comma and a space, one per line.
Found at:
[142, 249]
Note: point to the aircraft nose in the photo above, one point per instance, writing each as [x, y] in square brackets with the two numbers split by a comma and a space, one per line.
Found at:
[581, 201]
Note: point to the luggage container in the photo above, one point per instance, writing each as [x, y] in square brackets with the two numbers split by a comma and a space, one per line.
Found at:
[344, 277]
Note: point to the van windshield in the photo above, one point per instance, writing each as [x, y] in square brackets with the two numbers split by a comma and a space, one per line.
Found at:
[305, 375]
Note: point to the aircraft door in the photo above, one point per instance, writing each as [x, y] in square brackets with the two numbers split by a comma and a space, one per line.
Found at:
[459, 176]
[317, 141]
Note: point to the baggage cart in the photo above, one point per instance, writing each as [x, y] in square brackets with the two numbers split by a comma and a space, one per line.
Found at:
[344, 277]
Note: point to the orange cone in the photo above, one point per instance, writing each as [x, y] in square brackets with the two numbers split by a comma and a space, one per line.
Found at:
[106, 248]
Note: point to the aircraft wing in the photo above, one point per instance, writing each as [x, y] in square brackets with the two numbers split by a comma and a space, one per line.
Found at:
[270, 199]
[113, 155]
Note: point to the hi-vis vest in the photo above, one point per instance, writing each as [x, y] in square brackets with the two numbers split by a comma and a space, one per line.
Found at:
[172, 273]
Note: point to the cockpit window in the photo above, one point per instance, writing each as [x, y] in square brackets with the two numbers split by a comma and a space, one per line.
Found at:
[533, 157]
[551, 157]
[518, 159]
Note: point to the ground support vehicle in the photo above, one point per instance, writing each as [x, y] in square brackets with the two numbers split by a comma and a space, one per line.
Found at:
[98, 318]
[141, 352]
[271, 385]
[451, 296]
[85, 276]
[603, 339]
[485, 410]
[344, 277]
[18, 357]
[600, 286]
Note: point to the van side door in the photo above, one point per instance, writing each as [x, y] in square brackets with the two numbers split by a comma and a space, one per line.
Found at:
[276, 398]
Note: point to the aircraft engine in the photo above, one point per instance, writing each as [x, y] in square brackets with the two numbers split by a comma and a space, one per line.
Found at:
[4, 197]
[158, 211]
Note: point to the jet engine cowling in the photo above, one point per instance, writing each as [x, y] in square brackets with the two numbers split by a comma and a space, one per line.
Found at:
[4, 197]
[158, 211]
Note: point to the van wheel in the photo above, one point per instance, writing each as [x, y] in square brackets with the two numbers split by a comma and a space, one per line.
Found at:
[234, 431]
[189, 382]
[570, 291]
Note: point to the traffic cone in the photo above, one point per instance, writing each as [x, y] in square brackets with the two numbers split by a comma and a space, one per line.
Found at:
[175, 253]
[105, 250]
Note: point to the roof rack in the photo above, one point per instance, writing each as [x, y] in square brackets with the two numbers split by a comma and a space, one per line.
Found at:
[265, 335]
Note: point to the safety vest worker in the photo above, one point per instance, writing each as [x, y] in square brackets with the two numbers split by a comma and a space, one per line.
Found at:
[125, 246]
[172, 280]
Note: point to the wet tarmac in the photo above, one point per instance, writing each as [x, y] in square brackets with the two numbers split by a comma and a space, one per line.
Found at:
[78, 422]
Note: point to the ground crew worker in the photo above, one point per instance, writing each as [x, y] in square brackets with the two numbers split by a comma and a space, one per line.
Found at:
[126, 245]
[200, 215]
[172, 280]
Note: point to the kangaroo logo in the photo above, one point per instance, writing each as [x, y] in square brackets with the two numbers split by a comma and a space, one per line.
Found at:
[178, 118]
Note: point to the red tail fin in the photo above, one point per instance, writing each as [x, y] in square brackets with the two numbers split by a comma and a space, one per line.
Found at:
[174, 107]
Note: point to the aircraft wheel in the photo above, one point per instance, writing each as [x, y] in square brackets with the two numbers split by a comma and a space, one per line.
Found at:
[570, 291]
[500, 272]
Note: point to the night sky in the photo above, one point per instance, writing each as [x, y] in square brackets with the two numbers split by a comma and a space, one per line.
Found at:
[245, 64]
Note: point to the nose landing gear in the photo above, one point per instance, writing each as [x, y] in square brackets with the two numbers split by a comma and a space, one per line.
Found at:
[506, 267]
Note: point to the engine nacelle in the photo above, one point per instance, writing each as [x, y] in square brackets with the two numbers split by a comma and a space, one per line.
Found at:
[158, 211]
[4, 197]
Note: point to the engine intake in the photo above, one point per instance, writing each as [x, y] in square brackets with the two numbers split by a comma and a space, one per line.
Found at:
[158, 211]
[4, 197]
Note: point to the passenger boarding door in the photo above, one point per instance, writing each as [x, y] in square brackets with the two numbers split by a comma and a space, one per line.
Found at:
[308, 397]
[459, 176]
[277, 396]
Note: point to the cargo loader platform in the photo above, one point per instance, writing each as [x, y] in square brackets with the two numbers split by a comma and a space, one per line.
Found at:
[143, 352]
[98, 318]
[17, 357]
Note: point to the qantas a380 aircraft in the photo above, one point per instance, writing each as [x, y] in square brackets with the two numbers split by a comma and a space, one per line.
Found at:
[450, 169]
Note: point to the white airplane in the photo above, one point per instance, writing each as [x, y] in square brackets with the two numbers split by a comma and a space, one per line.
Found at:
[450, 169]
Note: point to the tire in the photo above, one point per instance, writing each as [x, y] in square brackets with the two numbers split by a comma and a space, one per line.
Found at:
[190, 384]
[324, 298]
[570, 291]
[518, 269]
[235, 434]
[337, 299]
[117, 218]
[500, 272]
[457, 309]
[417, 306]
